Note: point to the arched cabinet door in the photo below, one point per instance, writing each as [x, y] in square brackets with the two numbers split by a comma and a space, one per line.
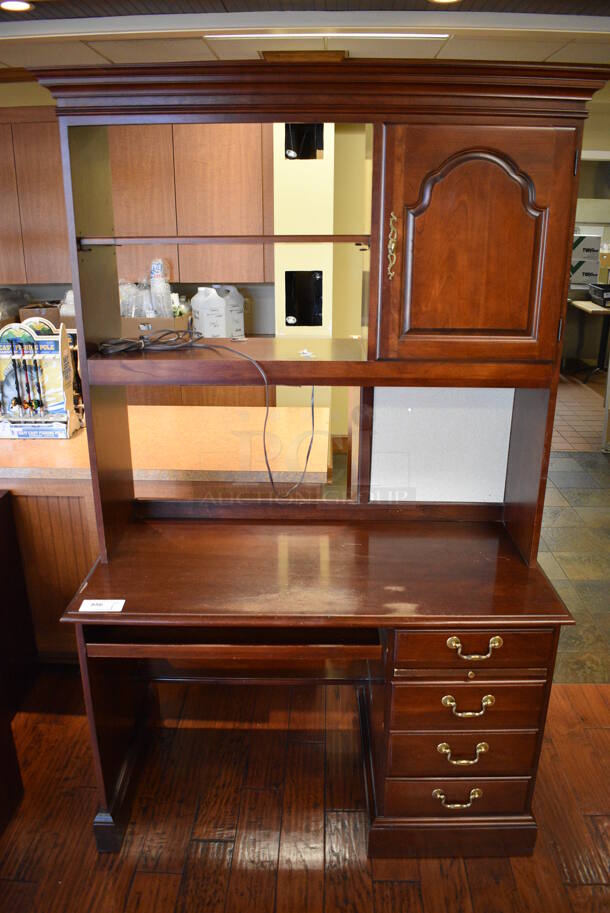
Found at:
[476, 240]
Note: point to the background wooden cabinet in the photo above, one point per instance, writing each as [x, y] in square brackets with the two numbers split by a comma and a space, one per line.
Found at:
[189, 179]
[12, 264]
[41, 202]
[219, 191]
[143, 196]
[483, 226]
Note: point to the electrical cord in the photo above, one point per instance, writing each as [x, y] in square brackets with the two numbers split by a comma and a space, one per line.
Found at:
[178, 340]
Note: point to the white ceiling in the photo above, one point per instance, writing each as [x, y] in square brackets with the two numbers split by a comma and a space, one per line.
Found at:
[557, 47]
[141, 39]
[147, 50]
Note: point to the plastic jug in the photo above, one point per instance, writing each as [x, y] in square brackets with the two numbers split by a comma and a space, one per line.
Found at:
[218, 313]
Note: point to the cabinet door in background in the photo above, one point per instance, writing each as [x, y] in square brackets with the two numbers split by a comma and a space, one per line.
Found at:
[483, 219]
[219, 191]
[143, 196]
[12, 265]
[41, 202]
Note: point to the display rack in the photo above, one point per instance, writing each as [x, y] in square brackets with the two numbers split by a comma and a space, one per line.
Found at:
[438, 611]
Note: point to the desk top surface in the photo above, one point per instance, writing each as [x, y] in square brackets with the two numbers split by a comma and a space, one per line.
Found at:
[590, 307]
[203, 573]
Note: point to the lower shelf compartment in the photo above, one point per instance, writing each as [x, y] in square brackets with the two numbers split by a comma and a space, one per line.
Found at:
[261, 671]
[269, 654]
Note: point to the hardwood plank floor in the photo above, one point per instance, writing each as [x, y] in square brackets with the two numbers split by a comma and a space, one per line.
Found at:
[250, 799]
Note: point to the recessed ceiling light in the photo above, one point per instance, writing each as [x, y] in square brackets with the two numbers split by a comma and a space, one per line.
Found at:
[412, 36]
[443, 1]
[15, 6]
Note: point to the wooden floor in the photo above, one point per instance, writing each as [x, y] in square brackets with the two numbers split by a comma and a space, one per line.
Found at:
[250, 800]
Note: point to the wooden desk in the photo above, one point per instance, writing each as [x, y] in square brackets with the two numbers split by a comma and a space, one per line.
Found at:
[370, 602]
[591, 309]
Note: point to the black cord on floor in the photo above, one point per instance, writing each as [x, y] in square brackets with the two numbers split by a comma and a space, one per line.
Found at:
[177, 340]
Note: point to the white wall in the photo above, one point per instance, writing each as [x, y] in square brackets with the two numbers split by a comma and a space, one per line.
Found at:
[440, 444]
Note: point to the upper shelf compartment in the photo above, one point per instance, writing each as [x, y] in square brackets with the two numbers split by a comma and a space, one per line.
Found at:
[212, 199]
[475, 162]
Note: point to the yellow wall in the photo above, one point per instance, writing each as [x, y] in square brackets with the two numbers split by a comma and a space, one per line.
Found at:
[352, 216]
[597, 128]
[303, 192]
[353, 168]
[304, 257]
[26, 94]
[303, 188]
[331, 195]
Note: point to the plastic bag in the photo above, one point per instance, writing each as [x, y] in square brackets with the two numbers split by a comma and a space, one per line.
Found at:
[10, 302]
[129, 300]
[66, 308]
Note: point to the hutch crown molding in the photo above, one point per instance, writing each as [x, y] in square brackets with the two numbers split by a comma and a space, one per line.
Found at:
[439, 611]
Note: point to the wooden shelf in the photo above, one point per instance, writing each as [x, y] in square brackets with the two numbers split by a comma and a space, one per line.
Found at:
[341, 362]
[120, 241]
[210, 573]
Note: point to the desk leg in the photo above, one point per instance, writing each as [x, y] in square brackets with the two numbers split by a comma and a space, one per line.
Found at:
[116, 700]
[603, 343]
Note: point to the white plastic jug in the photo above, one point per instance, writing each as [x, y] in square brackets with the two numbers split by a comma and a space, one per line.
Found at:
[234, 303]
[218, 312]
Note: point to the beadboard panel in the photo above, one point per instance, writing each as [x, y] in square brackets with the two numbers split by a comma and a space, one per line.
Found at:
[58, 544]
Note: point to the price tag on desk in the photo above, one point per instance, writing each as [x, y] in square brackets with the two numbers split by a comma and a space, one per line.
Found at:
[101, 605]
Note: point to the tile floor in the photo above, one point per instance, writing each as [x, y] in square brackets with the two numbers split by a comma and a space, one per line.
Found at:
[575, 541]
[579, 417]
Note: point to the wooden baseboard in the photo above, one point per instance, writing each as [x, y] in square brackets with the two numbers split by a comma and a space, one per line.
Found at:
[426, 839]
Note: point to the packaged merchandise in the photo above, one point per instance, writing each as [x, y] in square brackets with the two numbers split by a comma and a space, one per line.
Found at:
[37, 381]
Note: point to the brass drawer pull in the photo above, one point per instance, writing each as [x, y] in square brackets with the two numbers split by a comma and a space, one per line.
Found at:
[488, 700]
[454, 643]
[481, 748]
[475, 793]
[392, 239]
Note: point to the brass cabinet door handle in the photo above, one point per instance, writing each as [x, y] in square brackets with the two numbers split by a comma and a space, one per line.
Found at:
[392, 239]
[454, 643]
[445, 749]
[475, 793]
[488, 700]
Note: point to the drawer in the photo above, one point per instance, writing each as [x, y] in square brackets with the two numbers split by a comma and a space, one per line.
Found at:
[419, 798]
[455, 648]
[425, 707]
[417, 754]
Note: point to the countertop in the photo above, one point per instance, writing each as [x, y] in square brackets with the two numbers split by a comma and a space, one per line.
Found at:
[191, 443]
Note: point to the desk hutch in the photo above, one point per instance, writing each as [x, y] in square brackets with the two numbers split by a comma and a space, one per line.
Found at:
[437, 610]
